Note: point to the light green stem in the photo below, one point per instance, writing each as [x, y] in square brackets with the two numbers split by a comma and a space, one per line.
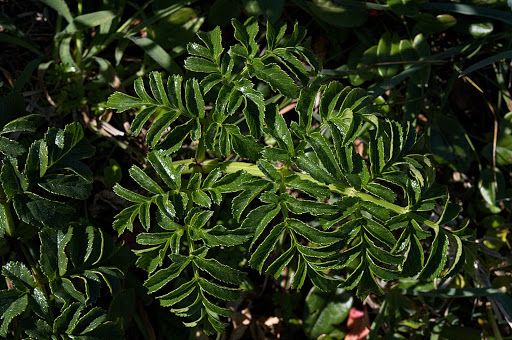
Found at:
[230, 167]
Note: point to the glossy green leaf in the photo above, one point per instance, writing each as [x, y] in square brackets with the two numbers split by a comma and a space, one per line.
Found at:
[265, 248]
[276, 78]
[276, 268]
[437, 258]
[218, 291]
[14, 309]
[220, 271]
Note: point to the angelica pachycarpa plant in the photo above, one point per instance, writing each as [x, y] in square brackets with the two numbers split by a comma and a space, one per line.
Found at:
[372, 210]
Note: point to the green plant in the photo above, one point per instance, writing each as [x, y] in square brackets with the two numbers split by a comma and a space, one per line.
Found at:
[56, 268]
[311, 203]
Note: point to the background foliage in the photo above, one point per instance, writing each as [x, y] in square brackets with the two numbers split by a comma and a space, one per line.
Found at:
[439, 69]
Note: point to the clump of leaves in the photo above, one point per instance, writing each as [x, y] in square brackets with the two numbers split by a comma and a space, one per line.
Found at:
[51, 290]
[304, 199]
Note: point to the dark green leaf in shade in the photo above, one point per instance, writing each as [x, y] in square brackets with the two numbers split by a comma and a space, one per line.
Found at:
[42, 212]
[178, 294]
[10, 147]
[124, 220]
[275, 154]
[13, 182]
[67, 185]
[53, 258]
[254, 110]
[375, 210]
[129, 195]
[244, 146]
[174, 85]
[312, 234]
[246, 34]
[28, 123]
[220, 236]
[122, 102]
[164, 168]
[380, 232]
[174, 140]
[330, 98]
[269, 170]
[321, 280]
[158, 89]
[293, 64]
[14, 309]
[413, 257]
[209, 82]
[300, 273]
[367, 284]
